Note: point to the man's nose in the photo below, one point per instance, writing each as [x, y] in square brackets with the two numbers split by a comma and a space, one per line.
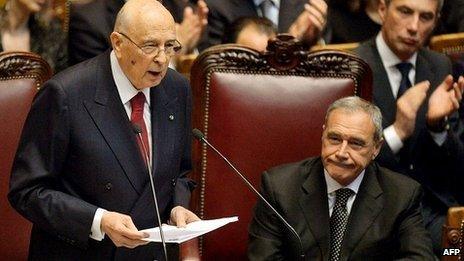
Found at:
[342, 150]
[161, 57]
[413, 24]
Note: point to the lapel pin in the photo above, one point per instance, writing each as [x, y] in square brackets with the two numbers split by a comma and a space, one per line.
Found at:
[171, 117]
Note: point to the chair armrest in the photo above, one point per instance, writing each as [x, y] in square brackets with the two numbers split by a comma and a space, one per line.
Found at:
[189, 250]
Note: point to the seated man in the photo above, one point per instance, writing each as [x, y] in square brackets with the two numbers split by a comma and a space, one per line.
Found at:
[253, 32]
[342, 204]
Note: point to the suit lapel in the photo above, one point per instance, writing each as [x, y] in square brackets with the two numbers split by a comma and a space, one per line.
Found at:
[367, 206]
[111, 119]
[383, 96]
[314, 205]
[163, 118]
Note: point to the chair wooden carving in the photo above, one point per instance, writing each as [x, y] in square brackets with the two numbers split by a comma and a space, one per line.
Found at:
[453, 232]
[453, 46]
[348, 47]
[260, 110]
[21, 76]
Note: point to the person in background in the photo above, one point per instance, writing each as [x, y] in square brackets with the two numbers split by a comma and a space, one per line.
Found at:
[253, 32]
[91, 23]
[343, 205]
[352, 20]
[81, 176]
[419, 101]
[304, 19]
[30, 26]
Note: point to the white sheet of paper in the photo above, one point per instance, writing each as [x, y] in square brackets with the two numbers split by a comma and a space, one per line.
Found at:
[172, 234]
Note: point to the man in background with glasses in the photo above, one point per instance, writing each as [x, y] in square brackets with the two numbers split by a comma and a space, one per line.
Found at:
[81, 169]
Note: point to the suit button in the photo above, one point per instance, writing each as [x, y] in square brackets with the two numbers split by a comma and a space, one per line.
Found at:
[173, 181]
[108, 186]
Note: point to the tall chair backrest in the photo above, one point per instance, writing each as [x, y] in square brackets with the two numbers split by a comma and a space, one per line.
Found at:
[21, 76]
[260, 110]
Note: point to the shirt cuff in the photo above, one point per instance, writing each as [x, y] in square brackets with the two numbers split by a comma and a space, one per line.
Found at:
[96, 232]
[439, 137]
[392, 139]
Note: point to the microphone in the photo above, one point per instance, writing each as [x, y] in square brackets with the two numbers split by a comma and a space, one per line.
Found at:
[138, 132]
[201, 137]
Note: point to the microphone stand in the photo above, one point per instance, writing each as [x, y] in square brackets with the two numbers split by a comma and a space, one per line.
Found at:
[201, 137]
[152, 184]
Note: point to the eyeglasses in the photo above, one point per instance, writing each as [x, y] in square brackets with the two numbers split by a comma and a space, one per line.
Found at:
[170, 47]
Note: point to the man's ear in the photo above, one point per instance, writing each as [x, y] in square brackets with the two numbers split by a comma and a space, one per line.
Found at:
[116, 43]
[382, 9]
[377, 148]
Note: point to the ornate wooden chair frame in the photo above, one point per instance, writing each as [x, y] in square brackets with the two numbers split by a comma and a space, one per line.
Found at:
[62, 9]
[24, 65]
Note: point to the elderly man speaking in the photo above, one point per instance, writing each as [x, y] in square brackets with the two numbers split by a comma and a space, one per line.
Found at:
[80, 172]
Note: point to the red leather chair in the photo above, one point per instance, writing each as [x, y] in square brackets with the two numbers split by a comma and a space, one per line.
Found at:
[21, 76]
[260, 110]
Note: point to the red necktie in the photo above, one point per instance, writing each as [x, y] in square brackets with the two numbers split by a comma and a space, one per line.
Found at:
[137, 103]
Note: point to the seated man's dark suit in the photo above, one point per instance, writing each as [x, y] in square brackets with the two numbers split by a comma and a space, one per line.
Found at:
[78, 152]
[435, 167]
[91, 24]
[223, 13]
[384, 223]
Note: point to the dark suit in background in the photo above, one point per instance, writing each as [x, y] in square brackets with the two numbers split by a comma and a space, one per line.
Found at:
[92, 23]
[78, 151]
[435, 167]
[346, 26]
[384, 223]
[223, 13]
[451, 19]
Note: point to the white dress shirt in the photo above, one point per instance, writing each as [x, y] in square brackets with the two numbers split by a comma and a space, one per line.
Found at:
[333, 185]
